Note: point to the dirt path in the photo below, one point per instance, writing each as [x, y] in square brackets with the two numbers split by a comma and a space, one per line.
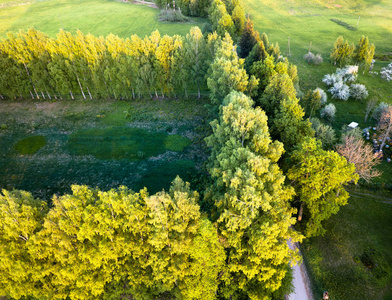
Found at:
[301, 281]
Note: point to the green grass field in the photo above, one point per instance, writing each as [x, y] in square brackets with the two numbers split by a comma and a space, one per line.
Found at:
[98, 17]
[308, 22]
[353, 260]
[50, 146]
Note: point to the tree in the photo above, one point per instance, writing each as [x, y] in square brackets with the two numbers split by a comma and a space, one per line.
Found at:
[385, 125]
[371, 104]
[311, 102]
[361, 155]
[196, 56]
[364, 52]
[248, 39]
[238, 16]
[21, 217]
[227, 72]
[251, 199]
[324, 133]
[319, 177]
[342, 52]
[284, 112]
[220, 19]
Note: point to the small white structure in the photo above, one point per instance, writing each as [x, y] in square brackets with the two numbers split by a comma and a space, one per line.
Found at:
[353, 125]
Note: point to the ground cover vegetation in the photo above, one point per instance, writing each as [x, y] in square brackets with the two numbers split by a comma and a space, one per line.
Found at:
[254, 189]
[98, 17]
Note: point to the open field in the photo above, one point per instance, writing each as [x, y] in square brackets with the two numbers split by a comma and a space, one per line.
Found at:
[49, 146]
[353, 260]
[98, 17]
[309, 21]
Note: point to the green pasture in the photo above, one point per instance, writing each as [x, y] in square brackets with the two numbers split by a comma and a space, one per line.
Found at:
[98, 17]
[47, 147]
[308, 22]
[353, 260]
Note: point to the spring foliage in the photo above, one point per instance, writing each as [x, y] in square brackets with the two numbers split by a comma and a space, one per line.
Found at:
[40, 67]
[251, 199]
[319, 177]
[96, 245]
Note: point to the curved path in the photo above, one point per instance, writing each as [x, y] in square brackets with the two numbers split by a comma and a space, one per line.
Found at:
[301, 281]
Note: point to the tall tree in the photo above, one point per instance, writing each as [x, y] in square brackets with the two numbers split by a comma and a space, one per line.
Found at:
[385, 125]
[227, 72]
[249, 38]
[284, 112]
[251, 199]
[21, 217]
[220, 19]
[364, 53]
[196, 56]
[319, 177]
[361, 155]
[342, 52]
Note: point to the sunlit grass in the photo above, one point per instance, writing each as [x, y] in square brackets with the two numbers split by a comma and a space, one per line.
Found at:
[98, 17]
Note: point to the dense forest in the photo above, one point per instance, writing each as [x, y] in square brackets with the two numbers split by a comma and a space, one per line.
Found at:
[266, 166]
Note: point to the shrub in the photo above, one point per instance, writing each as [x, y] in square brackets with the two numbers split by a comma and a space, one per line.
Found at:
[386, 73]
[312, 59]
[323, 95]
[328, 112]
[3, 126]
[324, 133]
[318, 60]
[348, 132]
[340, 91]
[331, 79]
[379, 110]
[172, 16]
[358, 92]
[309, 57]
[348, 73]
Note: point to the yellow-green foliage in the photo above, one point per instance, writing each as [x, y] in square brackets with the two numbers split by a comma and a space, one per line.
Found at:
[94, 245]
[251, 198]
[21, 217]
[320, 177]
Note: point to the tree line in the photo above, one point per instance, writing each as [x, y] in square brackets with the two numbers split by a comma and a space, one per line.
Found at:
[105, 245]
[39, 67]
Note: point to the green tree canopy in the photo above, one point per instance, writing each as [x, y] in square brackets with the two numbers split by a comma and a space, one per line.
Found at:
[319, 177]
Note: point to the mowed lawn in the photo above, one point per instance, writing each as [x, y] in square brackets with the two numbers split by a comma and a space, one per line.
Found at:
[309, 21]
[98, 17]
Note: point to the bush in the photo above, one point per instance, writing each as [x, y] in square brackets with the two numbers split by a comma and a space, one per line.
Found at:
[358, 92]
[328, 112]
[172, 16]
[386, 73]
[348, 73]
[379, 110]
[323, 95]
[324, 133]
[340, 91]
[331, 79]
[3, 126]
[318, 60]
[348, 132]
[312, 59]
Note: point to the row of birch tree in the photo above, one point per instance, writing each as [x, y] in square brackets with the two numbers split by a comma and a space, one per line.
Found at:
[39, 67]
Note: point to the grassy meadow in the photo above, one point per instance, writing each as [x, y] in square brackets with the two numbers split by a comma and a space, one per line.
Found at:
[98, 17]
[353, 259]
[46, 146]
[309, 21]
